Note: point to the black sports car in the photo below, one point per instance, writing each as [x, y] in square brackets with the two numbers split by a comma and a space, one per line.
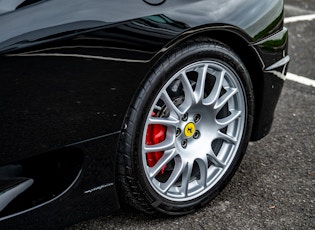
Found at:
[148, 102]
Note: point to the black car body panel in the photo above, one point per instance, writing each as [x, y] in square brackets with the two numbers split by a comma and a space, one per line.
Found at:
[69, 70]
[48, 20]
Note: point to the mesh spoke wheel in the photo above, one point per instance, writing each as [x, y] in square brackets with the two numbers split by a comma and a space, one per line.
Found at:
[202, 108]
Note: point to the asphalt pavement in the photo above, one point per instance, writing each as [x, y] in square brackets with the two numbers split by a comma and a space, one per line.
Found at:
[274, 188]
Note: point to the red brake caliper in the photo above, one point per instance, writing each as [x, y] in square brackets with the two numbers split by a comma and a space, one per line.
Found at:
[155, 135]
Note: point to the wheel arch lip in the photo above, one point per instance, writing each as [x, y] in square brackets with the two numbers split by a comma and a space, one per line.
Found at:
[212, 31]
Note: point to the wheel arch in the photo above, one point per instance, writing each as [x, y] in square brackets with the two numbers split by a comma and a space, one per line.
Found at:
[240, 43]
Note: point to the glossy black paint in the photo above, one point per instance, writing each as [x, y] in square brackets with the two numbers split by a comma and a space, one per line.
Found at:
[68, 75]
[46, 21]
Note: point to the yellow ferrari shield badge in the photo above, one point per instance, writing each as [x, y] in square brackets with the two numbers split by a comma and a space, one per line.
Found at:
[189, 129]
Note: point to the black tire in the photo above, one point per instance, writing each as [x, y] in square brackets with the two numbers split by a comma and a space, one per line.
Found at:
[195, 182]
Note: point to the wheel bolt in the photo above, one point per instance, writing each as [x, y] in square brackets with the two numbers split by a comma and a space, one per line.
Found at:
[196, 134]
[185, 117]
[196, 118]
[184, 143]
[178, 132]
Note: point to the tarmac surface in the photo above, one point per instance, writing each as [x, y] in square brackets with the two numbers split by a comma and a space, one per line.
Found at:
[274, 187]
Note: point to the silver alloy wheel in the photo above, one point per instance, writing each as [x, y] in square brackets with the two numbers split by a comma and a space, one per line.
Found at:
[203, 108]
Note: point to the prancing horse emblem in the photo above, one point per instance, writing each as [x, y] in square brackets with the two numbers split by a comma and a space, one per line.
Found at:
[189, 129]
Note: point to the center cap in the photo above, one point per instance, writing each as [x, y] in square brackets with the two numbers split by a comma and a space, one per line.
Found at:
[189, 129]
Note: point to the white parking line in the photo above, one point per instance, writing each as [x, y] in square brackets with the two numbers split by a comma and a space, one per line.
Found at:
[308, 17]
[300, 79]
[292, 76]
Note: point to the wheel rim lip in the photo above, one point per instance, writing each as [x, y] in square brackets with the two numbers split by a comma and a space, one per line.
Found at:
[214, 174]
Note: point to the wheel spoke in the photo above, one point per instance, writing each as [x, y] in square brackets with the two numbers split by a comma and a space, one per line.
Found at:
[203, 167]
[227, 137]
[189, 93]
[167, 144]
[225, 98]
[215, 93]
[223, 122]
[167, 157]
[200, 86]
[186, 178]
[214, 159]
[170, 105]
[164, 121]
[177, 171]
